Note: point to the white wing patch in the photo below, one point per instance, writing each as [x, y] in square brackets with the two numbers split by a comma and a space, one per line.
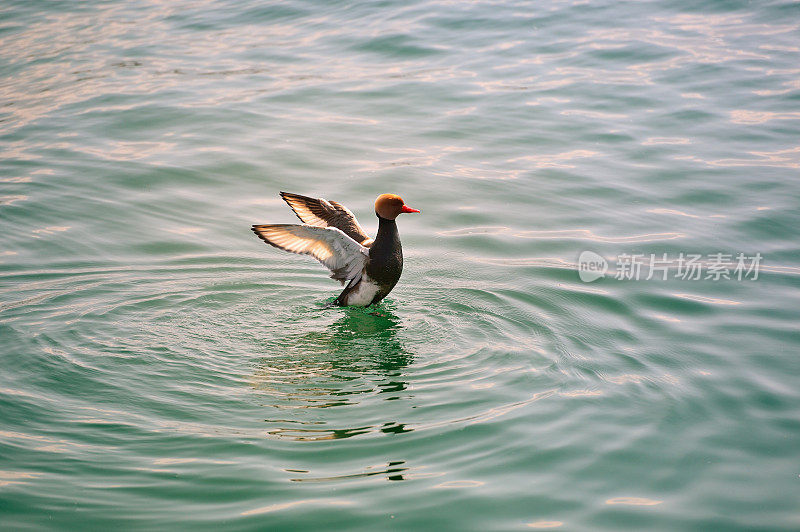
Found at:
[342, 255]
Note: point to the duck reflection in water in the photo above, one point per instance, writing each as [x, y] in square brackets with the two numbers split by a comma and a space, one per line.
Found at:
[350, 369]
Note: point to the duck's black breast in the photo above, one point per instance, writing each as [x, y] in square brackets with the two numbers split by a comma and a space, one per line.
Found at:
[385, 258]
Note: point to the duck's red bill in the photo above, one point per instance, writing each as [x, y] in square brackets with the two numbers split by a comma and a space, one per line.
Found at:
[406, 208]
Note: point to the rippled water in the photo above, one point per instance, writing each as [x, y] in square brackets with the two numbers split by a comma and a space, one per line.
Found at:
[161, 365]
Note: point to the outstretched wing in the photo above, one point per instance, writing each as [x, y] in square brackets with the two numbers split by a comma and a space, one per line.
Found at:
[322, 213]
[342, 255]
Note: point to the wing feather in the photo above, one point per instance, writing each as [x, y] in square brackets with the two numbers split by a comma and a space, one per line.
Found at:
[319, 212]
[342, 255]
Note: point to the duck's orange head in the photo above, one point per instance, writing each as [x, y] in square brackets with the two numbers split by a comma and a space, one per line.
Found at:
[390, 206]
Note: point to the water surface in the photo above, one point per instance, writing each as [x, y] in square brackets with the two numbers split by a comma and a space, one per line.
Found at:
[161, 365]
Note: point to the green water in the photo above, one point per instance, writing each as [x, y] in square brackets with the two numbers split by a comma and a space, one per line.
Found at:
[164, 369]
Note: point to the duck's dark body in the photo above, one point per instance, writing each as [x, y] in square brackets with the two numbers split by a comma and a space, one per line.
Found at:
[383, 269]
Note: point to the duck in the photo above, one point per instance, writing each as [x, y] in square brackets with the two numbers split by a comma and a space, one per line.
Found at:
[330, 233]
